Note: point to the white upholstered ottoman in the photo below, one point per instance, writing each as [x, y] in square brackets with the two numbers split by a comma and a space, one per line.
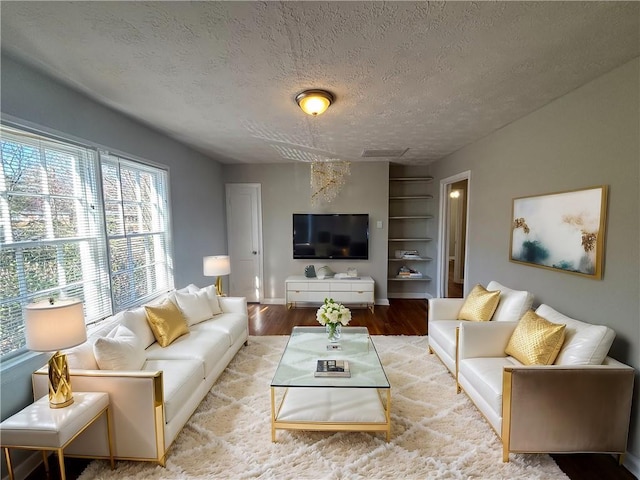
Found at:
[39, 427]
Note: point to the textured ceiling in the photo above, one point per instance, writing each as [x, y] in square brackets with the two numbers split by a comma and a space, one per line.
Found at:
[222, 76]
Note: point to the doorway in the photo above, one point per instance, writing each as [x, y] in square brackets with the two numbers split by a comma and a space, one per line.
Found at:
[244, 236]
[452, 248]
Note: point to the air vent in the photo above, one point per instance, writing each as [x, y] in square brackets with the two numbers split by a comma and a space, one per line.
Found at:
[384, 153]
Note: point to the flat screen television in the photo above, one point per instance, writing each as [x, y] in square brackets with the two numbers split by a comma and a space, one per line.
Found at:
[331, 235]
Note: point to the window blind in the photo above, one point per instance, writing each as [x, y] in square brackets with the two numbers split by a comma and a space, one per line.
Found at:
[137, 220]
[77, 223]
[52, 238]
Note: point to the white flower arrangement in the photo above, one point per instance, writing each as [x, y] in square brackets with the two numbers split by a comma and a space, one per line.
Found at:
[333, 313]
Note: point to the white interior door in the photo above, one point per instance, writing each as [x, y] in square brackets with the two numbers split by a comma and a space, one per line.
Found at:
[244, 235]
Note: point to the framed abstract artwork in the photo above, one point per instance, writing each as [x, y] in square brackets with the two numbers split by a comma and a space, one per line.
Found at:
[562, 231]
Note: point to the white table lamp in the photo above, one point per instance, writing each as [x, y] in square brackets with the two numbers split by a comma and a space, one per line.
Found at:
[51, 326]
[216, 266]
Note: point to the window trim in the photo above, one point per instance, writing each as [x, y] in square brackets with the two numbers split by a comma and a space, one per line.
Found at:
[10, 359]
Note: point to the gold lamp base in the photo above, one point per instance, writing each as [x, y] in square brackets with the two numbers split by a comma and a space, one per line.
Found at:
[60, 394]
[219, 291]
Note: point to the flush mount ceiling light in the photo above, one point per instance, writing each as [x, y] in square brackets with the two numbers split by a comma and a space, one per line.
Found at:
[314, 102]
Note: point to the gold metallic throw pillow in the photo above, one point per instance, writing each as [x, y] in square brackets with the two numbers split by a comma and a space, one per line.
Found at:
[166, 322]
[536, 341]
[479, 304]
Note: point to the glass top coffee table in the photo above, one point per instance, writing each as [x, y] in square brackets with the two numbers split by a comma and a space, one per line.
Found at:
[302, 401]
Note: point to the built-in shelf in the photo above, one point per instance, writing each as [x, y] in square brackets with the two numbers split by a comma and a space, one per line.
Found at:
[411, 179]
[417, 259]
[409, 218]
[423, 279]
[410, 239]
[412, 197]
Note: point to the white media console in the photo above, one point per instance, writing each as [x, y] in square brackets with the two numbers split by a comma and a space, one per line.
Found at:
[348, 291]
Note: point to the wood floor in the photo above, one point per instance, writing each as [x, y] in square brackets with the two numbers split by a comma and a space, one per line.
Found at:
[402, 317]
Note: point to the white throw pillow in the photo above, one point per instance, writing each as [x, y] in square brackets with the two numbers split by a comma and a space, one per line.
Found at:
[213, 299]
[191, 288]
[194, 306]
[136, 321]
[81, 357]
[123, 351]
[513, 304]
[584, 343]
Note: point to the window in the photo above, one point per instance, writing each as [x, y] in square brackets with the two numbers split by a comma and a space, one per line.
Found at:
[61, 235]
[136, 206]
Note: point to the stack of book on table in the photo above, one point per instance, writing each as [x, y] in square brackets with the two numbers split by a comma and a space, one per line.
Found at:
[332, 368]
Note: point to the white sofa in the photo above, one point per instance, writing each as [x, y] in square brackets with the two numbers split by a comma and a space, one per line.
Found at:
[152, 403]
[443, 323]
[581, 403]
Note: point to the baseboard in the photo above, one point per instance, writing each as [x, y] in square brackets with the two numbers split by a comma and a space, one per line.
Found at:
[272, 301]
[24, 468]
[632, 463]
[382, 301]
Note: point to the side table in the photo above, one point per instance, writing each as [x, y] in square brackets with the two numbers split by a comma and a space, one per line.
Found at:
[39, 427]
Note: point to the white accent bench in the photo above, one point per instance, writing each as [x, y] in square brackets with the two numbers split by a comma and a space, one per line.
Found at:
[40, 427]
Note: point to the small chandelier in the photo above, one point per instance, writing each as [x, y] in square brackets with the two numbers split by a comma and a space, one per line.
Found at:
[314, 102]
[327, 179]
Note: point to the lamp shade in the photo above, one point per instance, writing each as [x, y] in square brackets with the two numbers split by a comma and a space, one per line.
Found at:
[52, 326]
[216, 265]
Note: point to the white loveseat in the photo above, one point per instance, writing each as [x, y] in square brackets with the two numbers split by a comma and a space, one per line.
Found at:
[152, 403]
[443, 322]
[581, 403]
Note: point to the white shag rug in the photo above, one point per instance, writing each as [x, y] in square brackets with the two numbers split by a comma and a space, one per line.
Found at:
[436, 433]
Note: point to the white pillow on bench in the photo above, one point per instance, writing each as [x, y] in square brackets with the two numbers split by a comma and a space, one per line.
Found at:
[120, 350]
[195, 306]
[513, 304]
[584, 344]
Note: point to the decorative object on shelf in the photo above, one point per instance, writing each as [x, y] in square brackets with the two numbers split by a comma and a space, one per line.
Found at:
[561, 231]
[325, 272]
[334, 316]
[314, 102]
[408, 254]
[309, 271]
[217, 266]
[327, 180]
[406, 272]
[50, 326]
[352, 272]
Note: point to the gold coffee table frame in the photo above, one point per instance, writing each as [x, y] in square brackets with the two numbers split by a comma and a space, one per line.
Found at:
[304, 403]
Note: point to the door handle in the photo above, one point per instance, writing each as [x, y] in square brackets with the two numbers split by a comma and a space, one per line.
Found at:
[254, 252]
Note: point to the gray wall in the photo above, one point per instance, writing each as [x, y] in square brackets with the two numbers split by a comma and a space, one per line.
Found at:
[588, 137]
[285, 190]
[196, 189]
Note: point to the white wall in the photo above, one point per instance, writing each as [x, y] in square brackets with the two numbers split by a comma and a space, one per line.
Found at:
[286, 190]
[588, 137]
